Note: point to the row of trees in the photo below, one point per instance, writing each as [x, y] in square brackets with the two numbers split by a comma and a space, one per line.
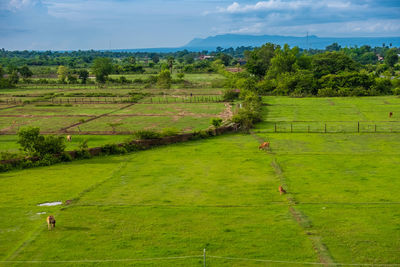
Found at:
[286, 71]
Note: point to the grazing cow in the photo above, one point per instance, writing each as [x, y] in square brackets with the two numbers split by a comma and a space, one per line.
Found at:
[390, 114]
[67, 202]
[51, 222]
[264, 145]
[281, 190]
[69, 138]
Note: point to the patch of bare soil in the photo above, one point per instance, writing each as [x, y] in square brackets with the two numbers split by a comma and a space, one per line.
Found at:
[227, 113]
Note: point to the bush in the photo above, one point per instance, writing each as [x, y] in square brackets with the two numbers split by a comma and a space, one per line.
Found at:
[112, 149]
[147, 134]
[38, 145]
[169, 132]
[200, 135]
[66, 157]
[216, 122]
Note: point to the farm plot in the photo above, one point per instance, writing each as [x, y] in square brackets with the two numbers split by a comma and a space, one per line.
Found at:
[215, 194]
[126, 124]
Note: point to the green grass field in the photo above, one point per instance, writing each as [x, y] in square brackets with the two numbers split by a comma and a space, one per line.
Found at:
[124, 209]
[220, 194]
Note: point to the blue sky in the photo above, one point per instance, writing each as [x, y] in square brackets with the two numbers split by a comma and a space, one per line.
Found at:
[101, 24]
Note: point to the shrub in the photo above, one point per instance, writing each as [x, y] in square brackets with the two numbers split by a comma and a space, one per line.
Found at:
[66, 157]
[38, 145]
[111, 149]
[169, 132]
[147, 134]
[216, 122]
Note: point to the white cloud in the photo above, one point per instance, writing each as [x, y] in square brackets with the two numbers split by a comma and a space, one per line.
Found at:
[14, 5]
[271, 5]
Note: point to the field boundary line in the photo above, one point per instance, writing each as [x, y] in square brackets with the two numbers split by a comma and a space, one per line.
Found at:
[10, 107]
[303, 221]
[94, 118]
[320, 249]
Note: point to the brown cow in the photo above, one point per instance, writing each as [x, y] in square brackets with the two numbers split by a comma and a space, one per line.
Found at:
[390, 114]
[51, 222]
[281, 190]
[264, 145]
[69, 138]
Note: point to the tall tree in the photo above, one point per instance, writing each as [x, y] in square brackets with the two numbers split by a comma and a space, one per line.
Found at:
[83, 75]
[391, 57]
[25, 72]
[62, 73]
[259, 60]
[102, 67]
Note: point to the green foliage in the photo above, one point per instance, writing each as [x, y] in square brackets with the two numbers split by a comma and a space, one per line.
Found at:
[35, 144]
[283, 61]
[169, 132]
[231, 94]
[62, 73]
[112, 149]
[146, 134]
[25, 72]
[83, 75]
[164, 79]
[391, 57]
[332, 63]
[14, 77]
[250, 113]
[259, 60]
[101, 68]
[216, 122]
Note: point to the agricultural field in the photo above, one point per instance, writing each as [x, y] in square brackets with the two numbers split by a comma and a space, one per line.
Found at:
[339, 114]
[93, 114]
[163, 206]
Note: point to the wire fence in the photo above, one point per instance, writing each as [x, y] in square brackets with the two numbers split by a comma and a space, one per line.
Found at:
[115, 100]
[330, 127]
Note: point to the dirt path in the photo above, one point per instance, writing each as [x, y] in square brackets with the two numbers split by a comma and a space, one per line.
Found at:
[227, 113]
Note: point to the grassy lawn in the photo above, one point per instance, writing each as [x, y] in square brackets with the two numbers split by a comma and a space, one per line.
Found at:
[217, 194]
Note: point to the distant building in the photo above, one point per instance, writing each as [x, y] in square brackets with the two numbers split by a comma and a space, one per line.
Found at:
[204, 57]
[380, 58]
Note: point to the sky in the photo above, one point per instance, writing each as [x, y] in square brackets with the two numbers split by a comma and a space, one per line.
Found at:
[128, 24]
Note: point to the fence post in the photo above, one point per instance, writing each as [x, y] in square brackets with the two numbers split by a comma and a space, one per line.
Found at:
[358, 127]
[375, 127]
[275, 127]
[291, 128]
[308, 128]
[325, 127]
[204, 257]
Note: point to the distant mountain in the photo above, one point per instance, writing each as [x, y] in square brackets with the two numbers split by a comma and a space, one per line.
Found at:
[235, 40]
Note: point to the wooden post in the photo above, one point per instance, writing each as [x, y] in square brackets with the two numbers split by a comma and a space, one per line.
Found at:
[291, 128]
[275, 126]
[325, 127]
[204, 258]
[358, 127]
[375, 127]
